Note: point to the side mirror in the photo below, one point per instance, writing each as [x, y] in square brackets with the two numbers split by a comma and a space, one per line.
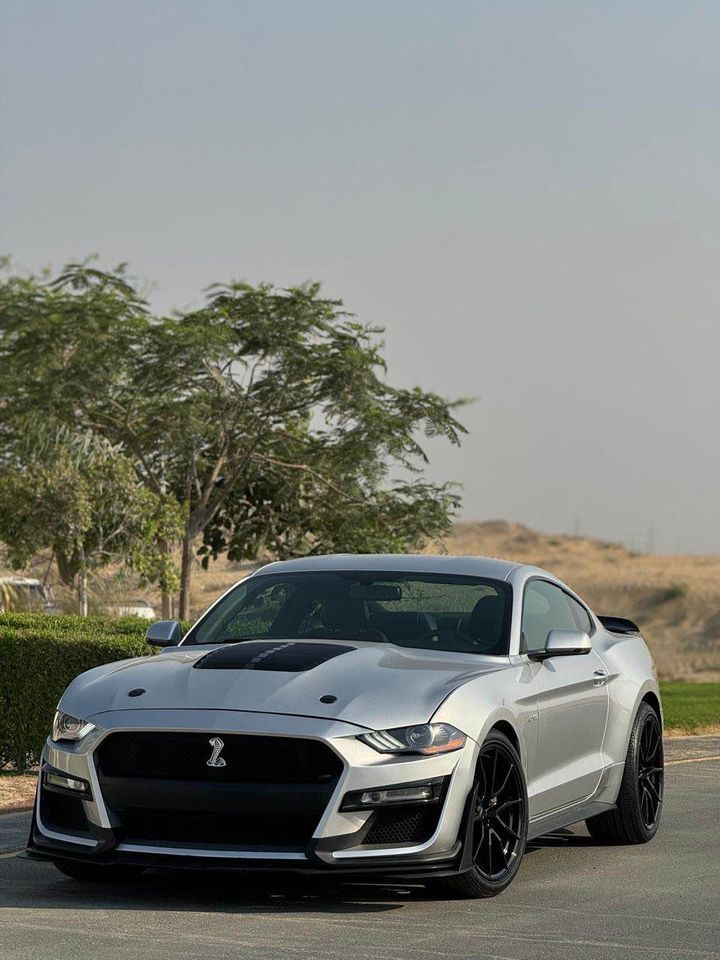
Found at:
[164, 633]
[563, 643]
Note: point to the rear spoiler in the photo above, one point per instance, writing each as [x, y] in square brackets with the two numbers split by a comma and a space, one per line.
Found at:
[619, 625]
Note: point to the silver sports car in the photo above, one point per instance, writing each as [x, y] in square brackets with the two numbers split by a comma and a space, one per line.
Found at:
[393, 716]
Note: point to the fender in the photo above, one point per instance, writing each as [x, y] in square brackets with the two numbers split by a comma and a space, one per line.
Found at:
[487, 705]
[620, 721]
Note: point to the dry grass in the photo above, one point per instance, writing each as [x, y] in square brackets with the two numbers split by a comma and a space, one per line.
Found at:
[675, 599]
[704, 730]
[17, 791]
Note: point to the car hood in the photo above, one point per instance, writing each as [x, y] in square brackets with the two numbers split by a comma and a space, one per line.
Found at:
[374, 685]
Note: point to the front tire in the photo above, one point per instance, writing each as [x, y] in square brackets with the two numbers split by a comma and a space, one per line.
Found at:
[96, 872]
[639, 805]
[497, 833]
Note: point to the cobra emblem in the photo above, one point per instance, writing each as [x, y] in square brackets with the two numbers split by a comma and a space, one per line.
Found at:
[215, 759]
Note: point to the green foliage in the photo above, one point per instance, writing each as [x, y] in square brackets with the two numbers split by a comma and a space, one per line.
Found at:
[80, 496]
[40, 655]
[690, 707]
[162, 523]
[265, 417]
[292, 516]
[72, 626]
[71, 337]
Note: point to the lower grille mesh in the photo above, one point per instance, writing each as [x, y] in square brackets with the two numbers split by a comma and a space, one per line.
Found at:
[149, 826]
[403, 825]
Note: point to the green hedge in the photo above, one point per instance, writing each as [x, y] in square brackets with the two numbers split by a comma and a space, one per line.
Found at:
[39, 655]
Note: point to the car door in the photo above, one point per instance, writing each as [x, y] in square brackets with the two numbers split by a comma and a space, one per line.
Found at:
[572, 701]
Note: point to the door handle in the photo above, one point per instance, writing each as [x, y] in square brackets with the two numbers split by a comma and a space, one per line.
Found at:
[599, 677]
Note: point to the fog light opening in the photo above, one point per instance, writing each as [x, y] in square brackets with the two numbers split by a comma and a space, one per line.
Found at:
[54, 780]
[407, 794]
[421, 793]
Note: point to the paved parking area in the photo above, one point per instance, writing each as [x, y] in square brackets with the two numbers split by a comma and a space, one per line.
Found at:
[571, 899]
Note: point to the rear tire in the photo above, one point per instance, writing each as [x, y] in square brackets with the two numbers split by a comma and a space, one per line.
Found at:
[498, 831]
[639, 805]
[97, 872]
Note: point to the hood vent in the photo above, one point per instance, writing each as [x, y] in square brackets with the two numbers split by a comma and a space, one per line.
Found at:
[286, 656]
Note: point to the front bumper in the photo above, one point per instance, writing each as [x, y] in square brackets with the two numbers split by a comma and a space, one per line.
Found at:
[342, 842]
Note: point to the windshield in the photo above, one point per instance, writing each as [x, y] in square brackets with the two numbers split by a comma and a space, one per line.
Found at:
[424, 611]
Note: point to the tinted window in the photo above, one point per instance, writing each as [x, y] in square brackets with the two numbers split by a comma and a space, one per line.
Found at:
[426, 611]
[545, 608]
[582, 617]
[257, 614]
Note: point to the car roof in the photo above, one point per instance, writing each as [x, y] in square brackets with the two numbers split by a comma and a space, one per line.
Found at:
[488, 567]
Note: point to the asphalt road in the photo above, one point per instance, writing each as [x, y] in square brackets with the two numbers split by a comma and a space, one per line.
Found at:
[571, 899]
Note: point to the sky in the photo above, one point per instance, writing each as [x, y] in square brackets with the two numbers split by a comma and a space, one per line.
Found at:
[526, 195]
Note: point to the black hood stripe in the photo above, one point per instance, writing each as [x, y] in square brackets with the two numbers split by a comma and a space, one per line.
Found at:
[292, 656]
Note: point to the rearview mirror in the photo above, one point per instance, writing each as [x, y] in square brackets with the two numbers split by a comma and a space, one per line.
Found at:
[563, 643]
[375, 591]
[164, 633]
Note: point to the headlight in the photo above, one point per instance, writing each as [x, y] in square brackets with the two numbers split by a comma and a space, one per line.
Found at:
[426, 738]
[67, 727]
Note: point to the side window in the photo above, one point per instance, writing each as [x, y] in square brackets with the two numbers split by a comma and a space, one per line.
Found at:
[582, 617]
[545, 608]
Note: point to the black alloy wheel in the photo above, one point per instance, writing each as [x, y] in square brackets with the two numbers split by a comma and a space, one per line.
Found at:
[651, 771]
[497, 833]
[636, 816]
[499, 813]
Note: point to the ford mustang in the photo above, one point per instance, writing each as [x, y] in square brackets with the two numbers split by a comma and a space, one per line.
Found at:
[398, 717]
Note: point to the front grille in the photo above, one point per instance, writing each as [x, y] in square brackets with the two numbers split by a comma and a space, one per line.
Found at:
[248, 759]
[401, 825]
[63, 813]
[271, 792]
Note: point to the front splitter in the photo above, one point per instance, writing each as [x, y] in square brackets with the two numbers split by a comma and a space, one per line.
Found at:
[417, 867]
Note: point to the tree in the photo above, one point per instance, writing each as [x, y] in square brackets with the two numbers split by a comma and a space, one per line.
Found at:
[80, 497]
[289, 515]
[262, 397]
[66, 345]
[281, 385]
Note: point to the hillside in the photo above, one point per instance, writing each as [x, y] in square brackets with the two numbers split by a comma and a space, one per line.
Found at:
[675, 599]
